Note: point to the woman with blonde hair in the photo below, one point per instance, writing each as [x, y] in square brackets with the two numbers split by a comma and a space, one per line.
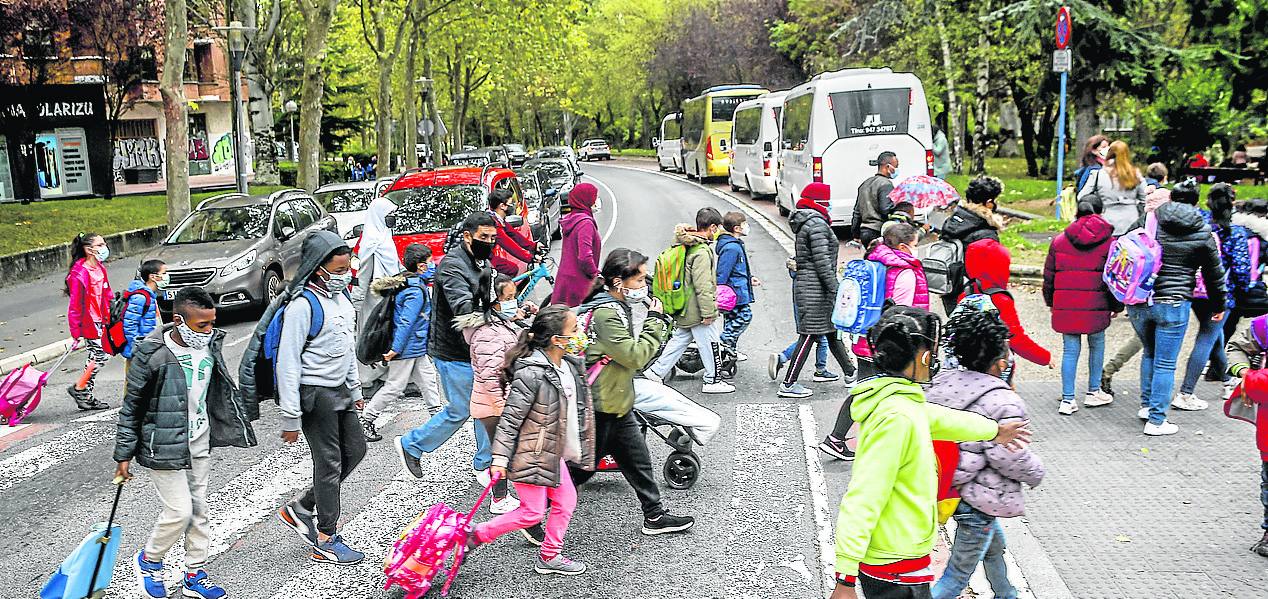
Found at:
[1120, 187]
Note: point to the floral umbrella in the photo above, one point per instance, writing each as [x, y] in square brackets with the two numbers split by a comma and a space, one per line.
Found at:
[924, 191]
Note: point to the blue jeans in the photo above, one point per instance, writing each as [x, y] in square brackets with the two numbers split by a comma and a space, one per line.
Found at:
[1161, 330]
[978, 539]
[1210, 335]
[734, 323]
[457, 379]
[1070, 362]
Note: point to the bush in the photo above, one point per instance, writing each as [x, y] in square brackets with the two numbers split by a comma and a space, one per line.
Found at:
[329, 172]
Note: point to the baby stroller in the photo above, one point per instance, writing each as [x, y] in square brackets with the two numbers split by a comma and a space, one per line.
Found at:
[679, 422]
[691, 363]
[20, 391]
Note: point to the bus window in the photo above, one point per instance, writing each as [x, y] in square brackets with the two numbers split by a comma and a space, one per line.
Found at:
[748, 125]
[724, 107]
[796, 129]
[692, 123]
[672, 129]
[871, 112]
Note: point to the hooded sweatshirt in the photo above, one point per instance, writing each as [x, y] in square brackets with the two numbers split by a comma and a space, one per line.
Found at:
[700, 272]
[987, 264]
[1072, 283]
[579, 259]
[888, 513]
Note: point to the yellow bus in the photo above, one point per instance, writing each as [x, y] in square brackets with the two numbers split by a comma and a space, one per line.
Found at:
[706, 129]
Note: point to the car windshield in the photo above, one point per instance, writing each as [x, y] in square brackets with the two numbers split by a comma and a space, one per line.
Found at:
[470, 159]
[531, 195]
[431, 209]
[551, 153]
[345, 200]
[553, 170]
[223, 224]
[515, 148]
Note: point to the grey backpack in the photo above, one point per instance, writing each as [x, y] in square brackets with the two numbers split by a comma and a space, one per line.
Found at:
[944, 266]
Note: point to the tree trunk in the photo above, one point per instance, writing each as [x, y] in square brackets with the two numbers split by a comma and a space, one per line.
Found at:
[317, 17]
[1046, 134]
[570, 123]
[956, 133]
[409, 107]
[1085, 122]
[259, 99]
[172, 89]
[983, 97]
[1027, 118]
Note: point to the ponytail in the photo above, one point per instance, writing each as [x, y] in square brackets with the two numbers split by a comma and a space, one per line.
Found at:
[78, 251]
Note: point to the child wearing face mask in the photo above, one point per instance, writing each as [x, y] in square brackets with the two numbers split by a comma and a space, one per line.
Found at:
[548, 407]
[491, 330]
[88, 309]
[735, 272]
[142, 315]
[180, 402]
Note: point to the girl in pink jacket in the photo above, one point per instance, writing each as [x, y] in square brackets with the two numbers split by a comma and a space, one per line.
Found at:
[491, 330]
[88, 309]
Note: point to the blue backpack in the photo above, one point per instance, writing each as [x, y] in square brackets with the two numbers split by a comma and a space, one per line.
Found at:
[266, 363]
[860, 296]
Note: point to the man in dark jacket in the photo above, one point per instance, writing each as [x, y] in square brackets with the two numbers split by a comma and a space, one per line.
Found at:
[872, 206]
[457, 281]
[1187, 247]
[180, 402]
[815, 288]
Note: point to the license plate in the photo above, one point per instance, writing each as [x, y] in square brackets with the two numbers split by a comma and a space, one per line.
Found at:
[170, 295]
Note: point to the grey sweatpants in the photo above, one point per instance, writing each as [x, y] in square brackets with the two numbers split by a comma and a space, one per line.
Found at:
[399, 374]
[333, 431]
[183, 494]
[1121, 357]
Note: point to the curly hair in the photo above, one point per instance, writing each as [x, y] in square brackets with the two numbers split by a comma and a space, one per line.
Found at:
[900, 334]
[977, 338]
[983, 189]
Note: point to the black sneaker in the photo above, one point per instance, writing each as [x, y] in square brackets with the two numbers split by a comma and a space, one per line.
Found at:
[411, 463]
[84, 401]
[667, 523]
[371, 433]
[1261, 548]
[836, 448]
[535, 534]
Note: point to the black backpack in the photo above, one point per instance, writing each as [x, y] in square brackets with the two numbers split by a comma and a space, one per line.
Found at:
[375, 337]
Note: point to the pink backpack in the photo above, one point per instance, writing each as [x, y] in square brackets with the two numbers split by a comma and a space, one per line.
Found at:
[1133, 263]
[21, 389]
[424, 548]
[726, 298]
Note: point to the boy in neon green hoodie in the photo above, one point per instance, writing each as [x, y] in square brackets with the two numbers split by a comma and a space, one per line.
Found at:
[887, 520]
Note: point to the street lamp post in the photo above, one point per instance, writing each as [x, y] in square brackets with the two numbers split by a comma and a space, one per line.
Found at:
[236, 34]
[424, 87]
[291, 108]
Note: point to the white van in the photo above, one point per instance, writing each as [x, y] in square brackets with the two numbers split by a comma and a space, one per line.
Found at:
[835, 125]
[755, 145]
[669, 144]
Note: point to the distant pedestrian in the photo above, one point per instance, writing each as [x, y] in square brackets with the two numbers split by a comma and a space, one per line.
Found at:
[886, 527]
[1121, 188]
[1080, 302]
[988, 477]
[988, 265]
[872, 204]
[1246, 350]
[142, 313]
[582, 246]
[1095, 152]
[517, 248]
[88, 309]
[178, 404]
[734, 271]
[941, 149]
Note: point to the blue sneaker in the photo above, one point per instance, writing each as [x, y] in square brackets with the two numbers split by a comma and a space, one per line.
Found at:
[334, 551]
[149, 576]
[197, 585]
[299, 521]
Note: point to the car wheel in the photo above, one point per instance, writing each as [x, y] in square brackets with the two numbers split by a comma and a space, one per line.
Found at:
[734, 187]
[273, 285]
[782, 210]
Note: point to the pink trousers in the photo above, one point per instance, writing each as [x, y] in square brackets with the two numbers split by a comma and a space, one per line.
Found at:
[533, 499]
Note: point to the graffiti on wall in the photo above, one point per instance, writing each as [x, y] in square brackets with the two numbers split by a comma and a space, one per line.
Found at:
[222, 154]
[143, 152]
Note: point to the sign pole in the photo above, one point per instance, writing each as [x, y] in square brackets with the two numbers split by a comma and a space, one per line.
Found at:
[1061, 63]
[1061, 144]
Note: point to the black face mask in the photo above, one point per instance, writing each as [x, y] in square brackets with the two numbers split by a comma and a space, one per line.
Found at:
[390, 221]
[481, 250]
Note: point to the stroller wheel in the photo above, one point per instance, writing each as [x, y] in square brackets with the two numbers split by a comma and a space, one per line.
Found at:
[681, 470]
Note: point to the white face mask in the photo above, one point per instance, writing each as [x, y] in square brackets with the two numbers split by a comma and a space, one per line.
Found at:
[744, 229]
[193, 339]
[1103, 152]
[337, 283]
[635, 296]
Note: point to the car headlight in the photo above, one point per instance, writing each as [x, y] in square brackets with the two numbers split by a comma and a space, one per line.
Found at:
[239, 264]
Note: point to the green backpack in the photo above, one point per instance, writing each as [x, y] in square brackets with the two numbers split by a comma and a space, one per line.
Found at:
[669, 281]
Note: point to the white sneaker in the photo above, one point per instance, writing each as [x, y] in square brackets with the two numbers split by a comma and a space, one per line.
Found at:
[741, 356]
[1143, 414]
[483, 477]
[773, 364]
[504, 505]
[718, 387]
[1098, 398]
[1068, 407]
[1166, 428]
[1188, 401]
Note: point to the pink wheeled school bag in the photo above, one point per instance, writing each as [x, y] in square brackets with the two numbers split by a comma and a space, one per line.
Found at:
[424, 549]
[21, 390]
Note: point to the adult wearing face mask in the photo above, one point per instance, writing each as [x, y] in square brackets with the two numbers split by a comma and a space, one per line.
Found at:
[1095, 152]
[579, 259]
[872, 207]
[514, 243]
[457, 283]
[378, 259]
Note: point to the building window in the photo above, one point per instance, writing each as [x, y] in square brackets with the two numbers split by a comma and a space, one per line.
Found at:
[37, 44]
[147, 63]
[202, 62]
[190, 74]
[136, 129]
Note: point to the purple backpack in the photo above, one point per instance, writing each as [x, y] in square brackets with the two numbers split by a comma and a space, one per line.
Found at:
[1133, 263]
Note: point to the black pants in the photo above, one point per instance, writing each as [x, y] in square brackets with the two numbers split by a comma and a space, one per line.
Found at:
[620, 437]
[866, 236]
[880, 589]
[337, 442]
[802, 352]
[490, 424]
[844, 420]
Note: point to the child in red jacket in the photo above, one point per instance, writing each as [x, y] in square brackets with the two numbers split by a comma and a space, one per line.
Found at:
[1246, 356]
[987, 263]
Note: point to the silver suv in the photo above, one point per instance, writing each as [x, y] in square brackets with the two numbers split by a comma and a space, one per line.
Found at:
[240, 248]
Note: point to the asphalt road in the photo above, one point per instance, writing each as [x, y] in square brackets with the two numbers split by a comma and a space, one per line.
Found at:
[760, 505]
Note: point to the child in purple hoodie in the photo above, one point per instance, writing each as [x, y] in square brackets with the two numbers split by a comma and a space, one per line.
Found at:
[989, 477]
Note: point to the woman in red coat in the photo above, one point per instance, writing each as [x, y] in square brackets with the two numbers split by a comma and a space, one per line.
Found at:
[1081, 303]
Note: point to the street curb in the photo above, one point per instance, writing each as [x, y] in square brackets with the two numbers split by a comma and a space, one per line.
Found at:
[35, 356]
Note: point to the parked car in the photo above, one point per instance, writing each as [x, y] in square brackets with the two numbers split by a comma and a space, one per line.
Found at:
[754, 145]
[559, 152]
[481, 157]
[556, 173]
[594, 149]
[430, 202]
[242, 249]
[669, 144]
[543, 203]
[347, 202]
[516, 153]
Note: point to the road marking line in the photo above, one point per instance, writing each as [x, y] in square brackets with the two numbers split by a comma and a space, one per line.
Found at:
[241, 340]
[7, 430]
[378, 524]
[35, 460]
[612, 223]
[100, 416]
[819, 495]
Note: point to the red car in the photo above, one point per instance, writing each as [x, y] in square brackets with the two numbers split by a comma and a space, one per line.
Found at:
[430, 202]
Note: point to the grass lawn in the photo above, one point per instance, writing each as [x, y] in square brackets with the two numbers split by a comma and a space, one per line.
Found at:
[41, 224]
[635, 152]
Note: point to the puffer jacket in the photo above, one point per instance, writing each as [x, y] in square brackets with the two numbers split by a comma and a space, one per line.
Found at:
[700, 272]
[78, 316]
[532, 432]
[896, 262]
[1187, 246]
[457, 280]
[489, 339]
[140, 317]
[987, 264]
[989, 476]
[153, 426]
[815, 288]
[971, 222]
[411, 317]
[624, 352]
[1072, 284]
[733, 268]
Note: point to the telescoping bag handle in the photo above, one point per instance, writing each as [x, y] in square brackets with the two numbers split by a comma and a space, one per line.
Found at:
[105, 539]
